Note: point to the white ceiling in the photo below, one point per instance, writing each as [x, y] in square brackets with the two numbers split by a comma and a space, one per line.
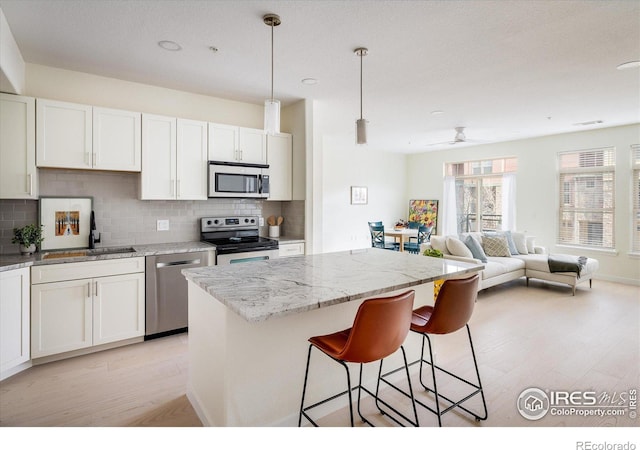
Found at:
[503, 69]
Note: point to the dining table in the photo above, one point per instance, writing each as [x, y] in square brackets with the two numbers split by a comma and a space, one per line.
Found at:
[401, 235]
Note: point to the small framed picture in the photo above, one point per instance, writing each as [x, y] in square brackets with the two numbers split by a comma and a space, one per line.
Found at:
[358, 195]
[65, 222]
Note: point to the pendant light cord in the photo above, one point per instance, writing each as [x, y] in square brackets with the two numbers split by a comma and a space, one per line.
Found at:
[272, 63]
[361, 85]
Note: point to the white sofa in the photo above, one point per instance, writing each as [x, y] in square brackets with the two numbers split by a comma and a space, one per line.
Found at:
[531, 261]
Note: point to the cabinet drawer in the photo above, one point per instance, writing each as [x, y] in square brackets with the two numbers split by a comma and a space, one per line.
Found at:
[291, 249]
[88, 269]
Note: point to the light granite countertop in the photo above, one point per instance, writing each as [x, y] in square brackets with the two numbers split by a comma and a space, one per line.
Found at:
[260, 290]
[17, 261]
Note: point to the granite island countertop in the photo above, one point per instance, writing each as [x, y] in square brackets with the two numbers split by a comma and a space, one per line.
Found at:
[260, 290]
[17, 261]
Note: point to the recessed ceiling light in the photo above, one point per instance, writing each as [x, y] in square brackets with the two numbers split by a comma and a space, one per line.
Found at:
[437, 112]
[213, 49]
[629, 65]
[309, 81]
[170, 45]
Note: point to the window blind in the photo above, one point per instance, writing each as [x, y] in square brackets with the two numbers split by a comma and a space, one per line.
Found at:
[587, 198]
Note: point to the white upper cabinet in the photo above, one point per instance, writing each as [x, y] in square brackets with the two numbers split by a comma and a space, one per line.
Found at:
[223, 142]
[192, 164]
[174, 159]
[74, 136]
[237, 144]
[158, 157]
[18, 178]
[279, 158]
[116, 140]
[63, 135]
[252, 144]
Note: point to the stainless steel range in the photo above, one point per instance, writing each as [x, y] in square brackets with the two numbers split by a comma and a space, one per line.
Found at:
[237, 239]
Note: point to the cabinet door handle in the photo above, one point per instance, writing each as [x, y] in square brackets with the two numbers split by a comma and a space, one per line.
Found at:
[95, 159]
[178, 188]
[30, 183]
[89, 289]
[95, 284]
[87, 158]
[173, 192]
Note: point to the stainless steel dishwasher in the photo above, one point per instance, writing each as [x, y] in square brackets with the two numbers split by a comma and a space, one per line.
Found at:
[166, 291]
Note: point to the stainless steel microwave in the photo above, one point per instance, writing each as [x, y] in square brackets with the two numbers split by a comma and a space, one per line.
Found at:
[228, 179]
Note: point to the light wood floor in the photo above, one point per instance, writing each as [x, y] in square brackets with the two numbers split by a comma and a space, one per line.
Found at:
[540, 336]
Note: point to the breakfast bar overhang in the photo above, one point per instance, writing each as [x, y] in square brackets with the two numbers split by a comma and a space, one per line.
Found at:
[249, 325]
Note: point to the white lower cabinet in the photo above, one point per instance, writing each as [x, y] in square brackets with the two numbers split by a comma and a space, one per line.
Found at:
[14, 322]
[292, 249]
[104, 305]
[118, 308]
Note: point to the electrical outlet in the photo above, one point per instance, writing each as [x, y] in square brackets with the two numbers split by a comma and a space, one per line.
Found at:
[261, 221]
[162, 225]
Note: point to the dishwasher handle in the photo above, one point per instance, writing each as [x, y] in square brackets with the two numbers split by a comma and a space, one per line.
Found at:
[177, 263]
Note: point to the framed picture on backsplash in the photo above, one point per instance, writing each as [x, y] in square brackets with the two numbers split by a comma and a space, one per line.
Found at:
[424, 212]
[65, 222]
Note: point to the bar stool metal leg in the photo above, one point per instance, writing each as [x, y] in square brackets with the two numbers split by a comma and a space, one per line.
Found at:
[454, 404]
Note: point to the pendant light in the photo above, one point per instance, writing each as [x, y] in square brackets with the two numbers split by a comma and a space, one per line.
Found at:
[361, 124]
[271, 106]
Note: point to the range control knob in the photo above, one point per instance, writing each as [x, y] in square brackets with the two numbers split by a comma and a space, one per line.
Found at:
[253, 220]
[246, 220]
[216, 221]
[208, 222]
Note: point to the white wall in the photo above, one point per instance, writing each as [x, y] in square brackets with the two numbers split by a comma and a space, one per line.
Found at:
[537, 190]
[339, 224]
[78, 87]
[12, 65]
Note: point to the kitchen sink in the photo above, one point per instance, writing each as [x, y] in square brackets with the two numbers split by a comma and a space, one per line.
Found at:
[88, 252]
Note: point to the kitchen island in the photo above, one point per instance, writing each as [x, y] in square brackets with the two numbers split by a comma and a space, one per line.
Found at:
[249, 324]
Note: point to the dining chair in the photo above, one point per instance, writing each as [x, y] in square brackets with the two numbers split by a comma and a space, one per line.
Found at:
[424, 234]
[378, 239]
[414, 225]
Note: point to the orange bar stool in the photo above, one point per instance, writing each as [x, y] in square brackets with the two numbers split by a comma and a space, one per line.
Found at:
[380, 327]
[451, 312]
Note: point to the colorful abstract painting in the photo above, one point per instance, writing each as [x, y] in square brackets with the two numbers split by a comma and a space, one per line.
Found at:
[425, 212]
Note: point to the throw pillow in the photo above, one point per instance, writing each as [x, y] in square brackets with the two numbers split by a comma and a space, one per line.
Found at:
[439, 243]
[512, 245]
[457, 248]
[475, 248]
[531, 244]
[496, 246]
[520, 241]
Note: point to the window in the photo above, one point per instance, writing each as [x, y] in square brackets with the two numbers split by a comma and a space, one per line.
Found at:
[635, 214]
[587, 198]
[479, 196]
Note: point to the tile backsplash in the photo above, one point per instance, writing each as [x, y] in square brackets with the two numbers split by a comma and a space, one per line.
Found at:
[122, 219]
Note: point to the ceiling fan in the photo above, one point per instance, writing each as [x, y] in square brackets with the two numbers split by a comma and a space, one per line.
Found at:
[458, 139]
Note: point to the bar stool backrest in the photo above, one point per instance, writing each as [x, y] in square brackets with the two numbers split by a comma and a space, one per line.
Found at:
[379, 329]
[454, 306]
